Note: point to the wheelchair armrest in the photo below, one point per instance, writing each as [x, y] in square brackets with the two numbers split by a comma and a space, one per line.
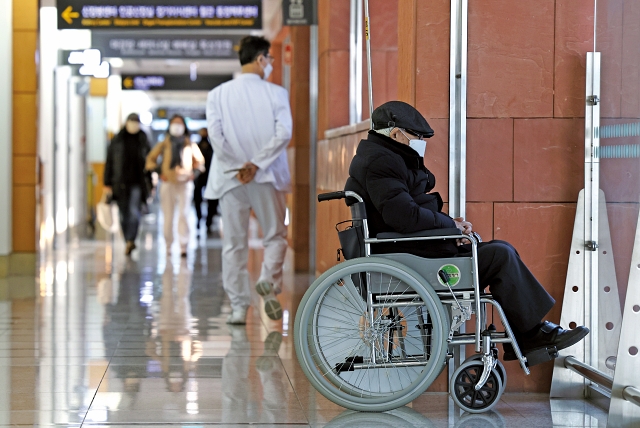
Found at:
[420, 234]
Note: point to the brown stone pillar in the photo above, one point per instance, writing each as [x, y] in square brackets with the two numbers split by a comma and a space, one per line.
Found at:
[25, 44]
[300, 42]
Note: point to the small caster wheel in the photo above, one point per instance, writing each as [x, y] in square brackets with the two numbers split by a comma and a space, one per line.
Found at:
[499, 367]
[464, 394]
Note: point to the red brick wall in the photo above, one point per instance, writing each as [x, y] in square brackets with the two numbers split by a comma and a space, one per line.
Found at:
[525, 128]
[334, 156]
[334, 17]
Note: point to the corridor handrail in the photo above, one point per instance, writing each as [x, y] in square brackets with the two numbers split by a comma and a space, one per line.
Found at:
[632, 395]
[588, 372]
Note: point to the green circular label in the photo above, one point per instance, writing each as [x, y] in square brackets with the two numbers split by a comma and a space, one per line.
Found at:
[454, 275]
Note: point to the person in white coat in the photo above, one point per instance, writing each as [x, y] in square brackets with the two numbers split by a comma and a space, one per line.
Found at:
[249, 122]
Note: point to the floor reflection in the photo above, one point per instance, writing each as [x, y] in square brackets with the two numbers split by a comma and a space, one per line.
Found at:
[406, 417]
[142, 341]
[403, 417]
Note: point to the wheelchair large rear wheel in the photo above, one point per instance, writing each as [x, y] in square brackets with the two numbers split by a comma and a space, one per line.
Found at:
[370, 334]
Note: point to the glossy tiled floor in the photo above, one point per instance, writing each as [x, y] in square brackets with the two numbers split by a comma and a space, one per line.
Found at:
[111, 341]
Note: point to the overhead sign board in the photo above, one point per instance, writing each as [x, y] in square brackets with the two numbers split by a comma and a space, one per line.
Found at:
[300, 12]
[171, 82]
[159, 14]
[86, 62]
[145, 45]
[194, 113]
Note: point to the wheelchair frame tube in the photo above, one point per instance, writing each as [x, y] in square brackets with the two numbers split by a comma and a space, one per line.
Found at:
[476, 287]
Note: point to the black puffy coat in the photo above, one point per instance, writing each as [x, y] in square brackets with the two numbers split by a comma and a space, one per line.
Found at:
[118, 165]
[394, 182]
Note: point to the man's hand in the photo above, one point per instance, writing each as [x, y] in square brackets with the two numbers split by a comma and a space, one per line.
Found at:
[465, 227]
[247, 173]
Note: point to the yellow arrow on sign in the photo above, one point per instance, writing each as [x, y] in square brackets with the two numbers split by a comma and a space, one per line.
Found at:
[128, 83]
[69, 14]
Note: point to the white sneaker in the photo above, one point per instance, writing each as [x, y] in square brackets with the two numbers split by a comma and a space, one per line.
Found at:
[237, 316]
[271, 305]
[238, 333]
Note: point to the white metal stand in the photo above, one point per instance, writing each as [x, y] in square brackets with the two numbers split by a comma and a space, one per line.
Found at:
[625, 410]
[567, 383]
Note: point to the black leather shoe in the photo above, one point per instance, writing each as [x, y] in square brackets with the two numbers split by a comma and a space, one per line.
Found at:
[549, 335]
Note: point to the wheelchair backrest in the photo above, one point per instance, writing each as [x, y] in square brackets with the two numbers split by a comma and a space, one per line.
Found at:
[352, 238]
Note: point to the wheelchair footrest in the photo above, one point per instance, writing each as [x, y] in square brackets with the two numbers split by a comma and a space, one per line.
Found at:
[540, 356]
[347, 366]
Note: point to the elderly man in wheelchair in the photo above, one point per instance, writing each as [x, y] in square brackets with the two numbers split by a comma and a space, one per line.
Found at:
[373, 332]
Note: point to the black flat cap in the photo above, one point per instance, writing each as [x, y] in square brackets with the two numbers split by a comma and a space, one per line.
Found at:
[401, 115]
[133, 117]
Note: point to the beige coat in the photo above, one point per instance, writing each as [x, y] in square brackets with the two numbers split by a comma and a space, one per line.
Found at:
[192, 160]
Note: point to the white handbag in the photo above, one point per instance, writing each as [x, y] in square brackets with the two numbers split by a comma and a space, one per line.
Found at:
[107, 214]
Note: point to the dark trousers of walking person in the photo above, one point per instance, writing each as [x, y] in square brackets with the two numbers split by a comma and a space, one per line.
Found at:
[212, 204]
[129, 200]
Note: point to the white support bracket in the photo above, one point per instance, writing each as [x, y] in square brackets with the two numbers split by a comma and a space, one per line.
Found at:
[566, 383]
[624, 412]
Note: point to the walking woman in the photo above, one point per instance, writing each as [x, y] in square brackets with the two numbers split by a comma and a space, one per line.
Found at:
[125, 178]
[181, 161]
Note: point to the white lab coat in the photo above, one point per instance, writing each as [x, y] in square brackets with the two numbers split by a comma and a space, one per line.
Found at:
[249, 120]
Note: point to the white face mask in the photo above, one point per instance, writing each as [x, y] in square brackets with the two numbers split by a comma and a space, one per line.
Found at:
[132, 127]
[176, 129]
[419, 145]
[267, 71]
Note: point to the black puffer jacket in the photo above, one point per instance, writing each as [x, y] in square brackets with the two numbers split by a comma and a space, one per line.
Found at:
[125, 166]
[394, 182]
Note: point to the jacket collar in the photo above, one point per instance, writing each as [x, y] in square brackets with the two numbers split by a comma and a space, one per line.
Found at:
[125, 135]
[410, 157]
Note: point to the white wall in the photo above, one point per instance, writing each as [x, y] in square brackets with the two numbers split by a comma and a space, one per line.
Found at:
[48, 62]
[77, 162]
[96, 131]
[6, 117]
[62, 143]
[59, 118]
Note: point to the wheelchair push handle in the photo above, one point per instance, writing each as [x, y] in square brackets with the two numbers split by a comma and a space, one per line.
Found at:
[331, 196]
[339, 195]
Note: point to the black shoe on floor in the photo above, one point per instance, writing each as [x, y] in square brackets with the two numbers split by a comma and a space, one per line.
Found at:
[549, 335]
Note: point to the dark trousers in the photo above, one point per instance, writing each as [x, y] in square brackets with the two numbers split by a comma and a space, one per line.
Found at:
[129, 200]
[523, 299]
[212, 204]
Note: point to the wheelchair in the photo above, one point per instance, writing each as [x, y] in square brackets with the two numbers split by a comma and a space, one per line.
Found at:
[372, 333]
